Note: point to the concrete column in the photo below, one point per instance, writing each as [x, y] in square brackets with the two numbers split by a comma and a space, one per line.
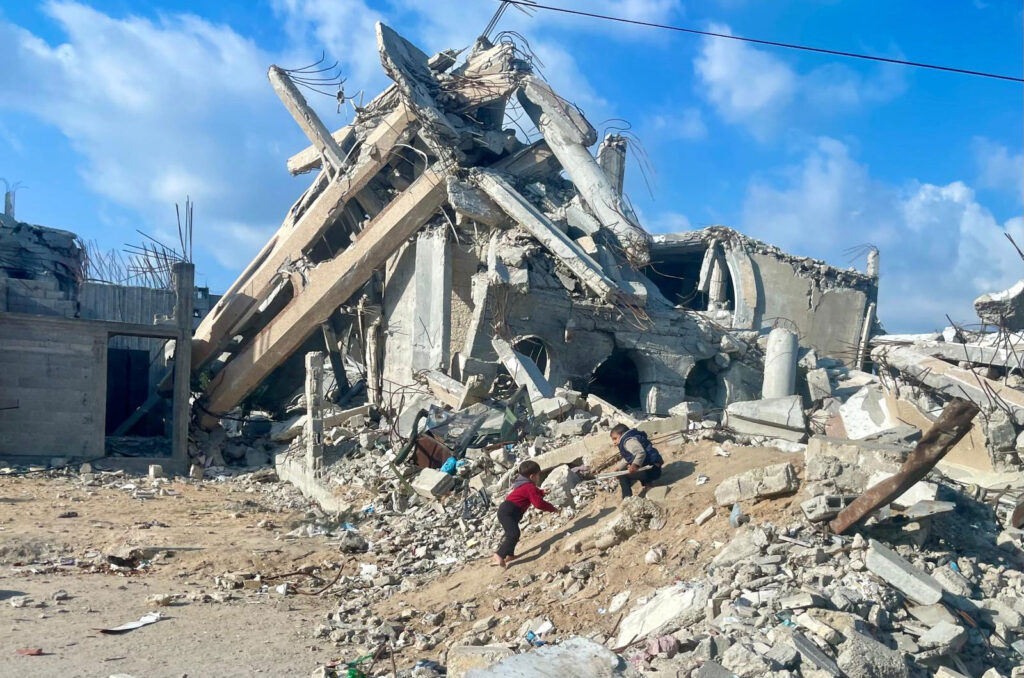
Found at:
[314, 429]
[873, 262]
[431, 318]
[9, 203]
[716, 290]
[184, 286]
[780, 364]
[865, 335]
[611, 156]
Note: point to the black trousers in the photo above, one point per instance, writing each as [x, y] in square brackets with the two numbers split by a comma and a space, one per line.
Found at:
[509, 516]
[645, 477]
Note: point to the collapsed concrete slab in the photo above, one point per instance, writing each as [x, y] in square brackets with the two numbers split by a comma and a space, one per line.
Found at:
[1003, 309]
[573, 658]
[773, 417]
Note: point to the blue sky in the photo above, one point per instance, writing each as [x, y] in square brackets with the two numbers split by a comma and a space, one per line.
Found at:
[112, 110]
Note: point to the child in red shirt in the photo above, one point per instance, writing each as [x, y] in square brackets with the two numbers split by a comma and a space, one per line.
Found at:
[524, 493]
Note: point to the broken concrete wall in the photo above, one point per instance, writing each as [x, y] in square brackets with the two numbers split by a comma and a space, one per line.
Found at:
[53, 375]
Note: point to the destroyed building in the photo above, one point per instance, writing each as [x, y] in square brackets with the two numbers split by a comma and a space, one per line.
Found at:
[436, 245]
[88, 365]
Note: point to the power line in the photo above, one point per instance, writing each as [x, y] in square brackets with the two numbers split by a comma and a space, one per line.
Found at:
[770, 43]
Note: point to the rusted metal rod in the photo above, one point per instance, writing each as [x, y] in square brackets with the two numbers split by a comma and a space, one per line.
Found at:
[951, 426]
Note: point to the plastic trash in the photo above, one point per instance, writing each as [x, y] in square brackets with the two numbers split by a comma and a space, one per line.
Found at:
[449, 466]
[737, 517]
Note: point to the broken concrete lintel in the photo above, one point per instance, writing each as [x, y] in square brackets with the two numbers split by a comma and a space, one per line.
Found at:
[557, 242]
[289, 429]
[306, 117]
[523, 370]
[329, 285]
[470, 202]
[972, 353]
[951, 381]
[291, 239]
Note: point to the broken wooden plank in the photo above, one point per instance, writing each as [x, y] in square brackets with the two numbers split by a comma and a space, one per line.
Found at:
[328, 286]
[952, 425]
[557, 242]
[288, 246]
[306, 117]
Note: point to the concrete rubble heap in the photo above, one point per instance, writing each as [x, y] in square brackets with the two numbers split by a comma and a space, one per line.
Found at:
[447, 300]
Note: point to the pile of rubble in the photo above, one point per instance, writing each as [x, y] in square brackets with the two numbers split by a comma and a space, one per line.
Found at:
[447, 300]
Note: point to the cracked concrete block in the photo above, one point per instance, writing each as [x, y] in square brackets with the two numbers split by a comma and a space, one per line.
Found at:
[846, 465]
[1005, 309]
[819, 386]
[920, 491]
[758, 483]
[775, 417]
[558, 486]
[866, 413]
[431, 483]
[901, 575]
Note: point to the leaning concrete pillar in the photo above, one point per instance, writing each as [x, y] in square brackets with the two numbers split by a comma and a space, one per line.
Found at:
[611, 156]
[569, 135]
[314, 428]
[780, 364]
[716, 290]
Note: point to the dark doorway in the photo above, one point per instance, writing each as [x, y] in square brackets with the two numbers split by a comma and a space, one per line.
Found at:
[128, 388]
[617, 380]
[703, 382]
[534, 349]
[677, 274]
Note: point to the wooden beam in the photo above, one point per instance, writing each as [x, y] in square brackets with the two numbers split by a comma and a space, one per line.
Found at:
[259, 278]
[558, 243]
[306, 117]
[329, 285]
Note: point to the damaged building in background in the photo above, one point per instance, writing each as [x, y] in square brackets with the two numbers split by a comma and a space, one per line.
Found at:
[436, 246]
[87, 366]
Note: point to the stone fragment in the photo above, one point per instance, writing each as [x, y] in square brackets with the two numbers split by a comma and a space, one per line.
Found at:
[705, 515]
[558, 486]
[659, 612]
[431, 483]
[846, 465]
[915, 584]
[824, 507]
[774, 417]
[813, 655]
[819, 386]
[758, 483]
[573, 427]
[636, 514]
[864, 657]
[573, 658]
[866, 413]
[744, 662]
[464, 658]
[711, 669]
[747, 543]
[1003, 309]
[945, 636]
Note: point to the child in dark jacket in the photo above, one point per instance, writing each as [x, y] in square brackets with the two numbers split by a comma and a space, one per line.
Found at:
[524, 494]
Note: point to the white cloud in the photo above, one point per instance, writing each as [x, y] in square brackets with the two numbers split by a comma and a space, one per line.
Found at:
[998, 168]
[939, 247]
[667, 222]
[687, 124]
[754, 87]
[157, 110]
[745, 84]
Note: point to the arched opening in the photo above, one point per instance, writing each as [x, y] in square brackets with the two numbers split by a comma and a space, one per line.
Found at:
[617, 380]
[702, 382]
[534, 349]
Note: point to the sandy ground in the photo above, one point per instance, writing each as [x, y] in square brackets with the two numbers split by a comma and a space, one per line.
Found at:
[219, 528]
